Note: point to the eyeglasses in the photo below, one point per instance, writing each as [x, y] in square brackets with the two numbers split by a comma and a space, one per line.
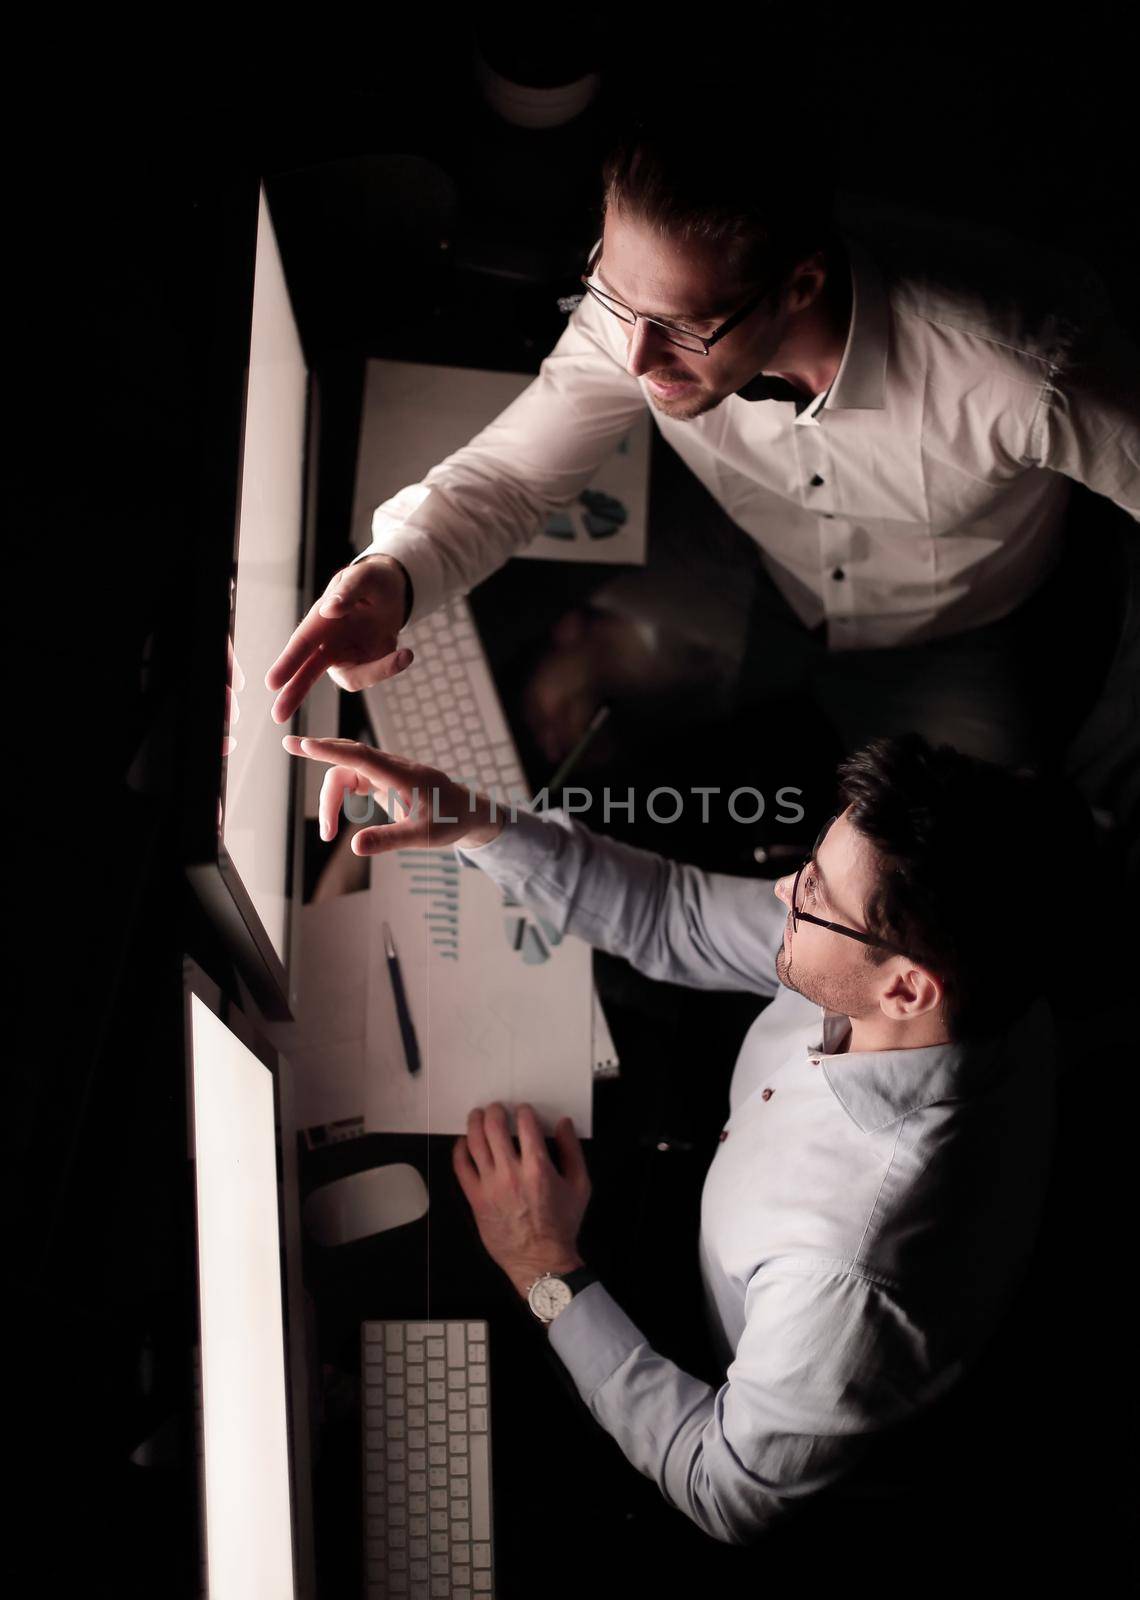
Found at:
[684, 337]
[799, 916]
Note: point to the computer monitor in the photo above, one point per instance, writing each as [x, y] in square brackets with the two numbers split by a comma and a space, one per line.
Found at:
[254, 577]
[253, 1417]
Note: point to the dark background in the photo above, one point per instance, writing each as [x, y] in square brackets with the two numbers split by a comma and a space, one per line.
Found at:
[116, 143]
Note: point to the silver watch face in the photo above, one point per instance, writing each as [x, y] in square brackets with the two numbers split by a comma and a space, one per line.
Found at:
[548, 1297]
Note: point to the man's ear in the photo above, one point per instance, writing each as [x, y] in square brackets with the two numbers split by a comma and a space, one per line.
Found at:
[911, 992]
[806, 281]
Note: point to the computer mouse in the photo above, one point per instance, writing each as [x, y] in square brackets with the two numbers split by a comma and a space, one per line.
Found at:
[365, 1203]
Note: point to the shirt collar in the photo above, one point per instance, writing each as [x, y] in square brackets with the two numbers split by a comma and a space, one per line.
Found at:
[879, 1087]
[860, 381]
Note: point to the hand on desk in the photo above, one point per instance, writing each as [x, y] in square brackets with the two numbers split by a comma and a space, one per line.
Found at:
[437, 811]
[350, 633]
[527, 1212]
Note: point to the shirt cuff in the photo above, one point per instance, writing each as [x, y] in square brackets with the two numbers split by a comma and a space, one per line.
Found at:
[523, 844]
[592, 1338]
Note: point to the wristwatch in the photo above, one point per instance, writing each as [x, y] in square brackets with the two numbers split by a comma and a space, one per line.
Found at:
[553, 1292]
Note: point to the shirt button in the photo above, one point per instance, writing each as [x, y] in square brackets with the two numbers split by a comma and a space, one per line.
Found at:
[816, 481]
[767, 1095]
[815, 1061]
[838, 573]
[829, 515]
[722, 1136]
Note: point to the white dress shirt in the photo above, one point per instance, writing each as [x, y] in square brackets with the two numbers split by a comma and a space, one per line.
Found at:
[922, 494]
[864, 1221]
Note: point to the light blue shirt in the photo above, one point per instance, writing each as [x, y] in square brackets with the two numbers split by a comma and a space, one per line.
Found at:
[864, 1222]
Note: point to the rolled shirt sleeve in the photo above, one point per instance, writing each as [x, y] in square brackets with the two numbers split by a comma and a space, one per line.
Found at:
[479, 505]
[827, 1361]
[704, 930]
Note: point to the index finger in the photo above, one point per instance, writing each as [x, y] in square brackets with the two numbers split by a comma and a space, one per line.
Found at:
[296, 690]
[378, 766]
[306, 636]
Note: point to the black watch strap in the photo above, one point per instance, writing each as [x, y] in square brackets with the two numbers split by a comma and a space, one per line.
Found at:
[577, 1280]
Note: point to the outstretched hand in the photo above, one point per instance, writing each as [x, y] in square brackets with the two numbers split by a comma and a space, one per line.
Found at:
[437, 811]
[350, 633]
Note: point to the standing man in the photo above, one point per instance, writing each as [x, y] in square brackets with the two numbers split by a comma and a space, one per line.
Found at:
[895, 418]
[876, 1192]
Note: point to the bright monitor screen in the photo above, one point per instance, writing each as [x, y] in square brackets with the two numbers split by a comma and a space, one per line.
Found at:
[249, 1544]
[256, 783]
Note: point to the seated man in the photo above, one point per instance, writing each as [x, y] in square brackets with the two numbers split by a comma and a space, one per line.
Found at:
[876, 1192]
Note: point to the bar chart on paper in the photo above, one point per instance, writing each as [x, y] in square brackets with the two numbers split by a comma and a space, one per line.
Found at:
[502, 1005]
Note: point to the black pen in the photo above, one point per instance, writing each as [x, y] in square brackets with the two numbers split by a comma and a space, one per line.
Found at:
[407, 1029]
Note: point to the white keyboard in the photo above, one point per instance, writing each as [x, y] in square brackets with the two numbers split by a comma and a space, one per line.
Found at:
[444, 709]
[425, 1406]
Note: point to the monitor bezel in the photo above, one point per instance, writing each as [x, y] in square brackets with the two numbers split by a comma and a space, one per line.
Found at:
[210, 870]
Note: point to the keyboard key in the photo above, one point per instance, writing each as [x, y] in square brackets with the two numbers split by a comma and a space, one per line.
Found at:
[477, 1417]
[476, 1352]
[480, 1486]
[436, 1369]
[437, 1499]
[439, 1522]
[456, 1401]
[437, 1455]
[477, 1374]
[417, 1546]
[436, 1390]
[435, 1348]
[480, 1555]
[480, 1582]
[457, 1378]
[478, 1395]
[437, 1433]
[418, 1504]
[461, 1532]
[440, 1566]
[440, 1544]
[417, 1438]
[460, 1510]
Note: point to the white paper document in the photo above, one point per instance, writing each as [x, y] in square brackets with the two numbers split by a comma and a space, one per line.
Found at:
[415, 415]
[325, 1045]
[502, 1005]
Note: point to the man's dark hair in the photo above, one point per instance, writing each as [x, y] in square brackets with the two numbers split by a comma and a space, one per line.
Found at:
[731, 167]
[966, 877]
